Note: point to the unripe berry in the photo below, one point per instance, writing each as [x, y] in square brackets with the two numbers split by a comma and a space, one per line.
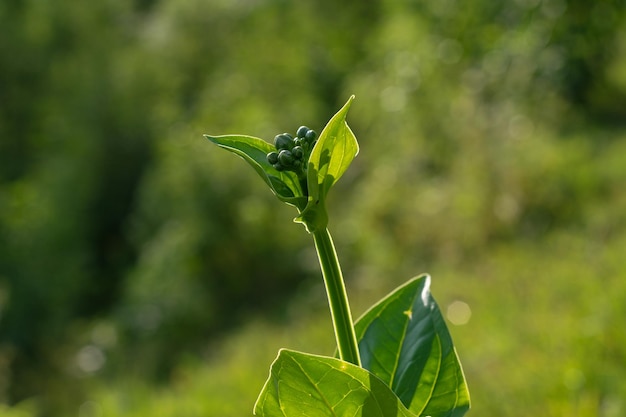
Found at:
[310, 135]
[283, 141]
[272, 157]
[285, 158]
[302, 131]
[297, 152]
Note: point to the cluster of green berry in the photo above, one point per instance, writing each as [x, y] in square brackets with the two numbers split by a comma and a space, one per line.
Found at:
[292, 153]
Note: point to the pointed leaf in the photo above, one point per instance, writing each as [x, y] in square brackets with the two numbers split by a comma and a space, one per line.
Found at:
[284, 184]
[332, 154]
[405, 342]
[304, 385]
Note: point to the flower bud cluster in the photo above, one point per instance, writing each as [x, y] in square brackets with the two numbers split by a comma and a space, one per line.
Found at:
[292, 153]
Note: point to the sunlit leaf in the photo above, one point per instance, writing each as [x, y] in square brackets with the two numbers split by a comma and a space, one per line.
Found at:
[405, 342]
[304, 385]
[332, 155]
[334, 151]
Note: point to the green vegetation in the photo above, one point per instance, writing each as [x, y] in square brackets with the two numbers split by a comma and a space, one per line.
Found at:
[403, 361]
[135, 281]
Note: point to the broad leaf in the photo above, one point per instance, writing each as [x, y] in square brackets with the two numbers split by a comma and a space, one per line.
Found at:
[332, 154]
[304, 385]
[405, 342]
[284, 184]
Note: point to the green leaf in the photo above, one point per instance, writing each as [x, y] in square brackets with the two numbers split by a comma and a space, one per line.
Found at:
[284, 184]
[405, 342]
[305, 385]
[332, 154]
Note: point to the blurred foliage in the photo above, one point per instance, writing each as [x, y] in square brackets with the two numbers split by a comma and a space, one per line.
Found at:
[492, 152]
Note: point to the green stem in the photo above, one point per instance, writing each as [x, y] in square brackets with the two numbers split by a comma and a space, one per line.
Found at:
[337, 298]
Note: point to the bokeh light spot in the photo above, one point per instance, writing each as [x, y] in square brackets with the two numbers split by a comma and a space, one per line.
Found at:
[458, 313]
[90, 359]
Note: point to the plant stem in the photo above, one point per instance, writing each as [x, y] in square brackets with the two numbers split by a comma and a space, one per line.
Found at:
[337, 298]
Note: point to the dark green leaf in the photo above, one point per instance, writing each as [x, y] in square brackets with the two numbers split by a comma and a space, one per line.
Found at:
[284, 184]
[405, 342]
[304, 385]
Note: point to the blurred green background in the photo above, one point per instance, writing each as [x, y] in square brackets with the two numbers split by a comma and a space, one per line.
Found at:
[145, 272]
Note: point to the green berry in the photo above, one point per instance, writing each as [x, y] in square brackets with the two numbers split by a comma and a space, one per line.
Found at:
[285, 158]
[272, 157]
[310, 135]
[283, 141]
[278, 166]
[297, 152]
[302, 131]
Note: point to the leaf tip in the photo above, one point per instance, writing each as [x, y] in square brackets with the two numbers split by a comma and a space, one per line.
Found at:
[211, 138]
[346, 106]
